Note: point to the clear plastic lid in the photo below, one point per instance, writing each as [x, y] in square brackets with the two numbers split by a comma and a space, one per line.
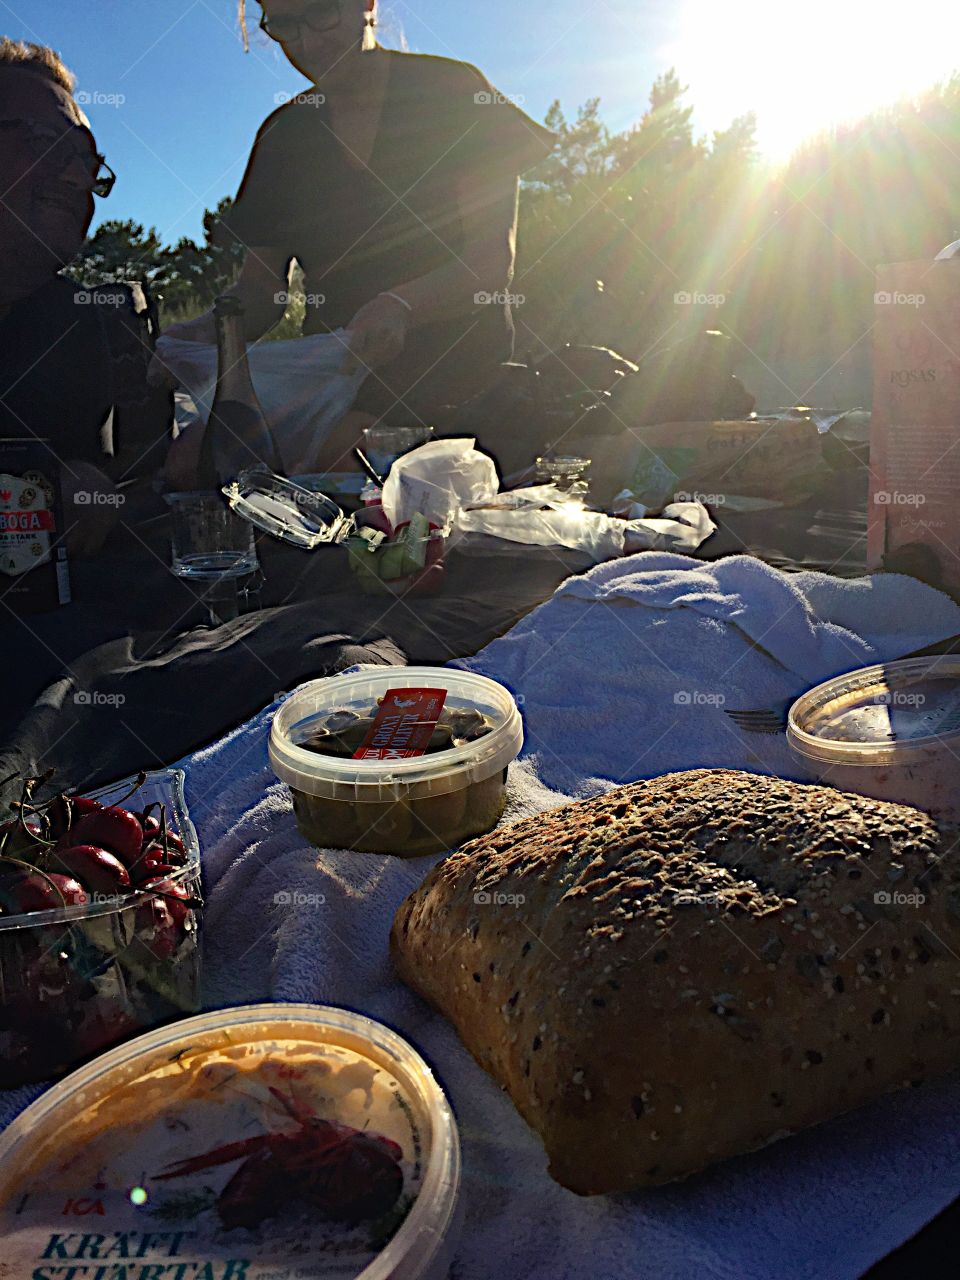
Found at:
[437, 774]
[340, 486]
[286, 510]
[888, 714]
[214, 1140]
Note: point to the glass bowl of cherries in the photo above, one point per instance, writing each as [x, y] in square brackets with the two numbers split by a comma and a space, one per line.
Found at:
[100, 912]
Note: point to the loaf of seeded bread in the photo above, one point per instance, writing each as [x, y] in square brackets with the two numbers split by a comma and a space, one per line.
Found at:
[687, 969]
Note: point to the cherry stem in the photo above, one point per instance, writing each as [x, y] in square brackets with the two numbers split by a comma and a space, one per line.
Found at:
[17, 862]
[141, 779]
[163, 828]
[23, 810]
[164, 831]
[148, 812]
[26, 804]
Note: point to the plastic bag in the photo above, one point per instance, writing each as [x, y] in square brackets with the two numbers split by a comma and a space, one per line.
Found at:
[436, 480]
[589, 532]
[683, 526]
[499, 526]
[299, 385]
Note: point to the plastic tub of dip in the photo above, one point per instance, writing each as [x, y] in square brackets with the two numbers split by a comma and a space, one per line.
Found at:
[292, 1140]
[891, 732]
[408, 807]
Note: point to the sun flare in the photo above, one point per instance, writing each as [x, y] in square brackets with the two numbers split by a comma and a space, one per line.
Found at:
[803, 68]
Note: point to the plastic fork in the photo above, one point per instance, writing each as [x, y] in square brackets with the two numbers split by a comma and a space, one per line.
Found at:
[773, 720]
[764, 720]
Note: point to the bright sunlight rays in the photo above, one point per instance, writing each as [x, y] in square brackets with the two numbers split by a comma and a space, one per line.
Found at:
[805, 67]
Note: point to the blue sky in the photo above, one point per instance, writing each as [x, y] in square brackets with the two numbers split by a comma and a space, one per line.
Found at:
[175, 102]
[192, 100]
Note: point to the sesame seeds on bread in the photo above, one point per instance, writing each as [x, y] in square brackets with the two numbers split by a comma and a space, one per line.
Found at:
[685, 969]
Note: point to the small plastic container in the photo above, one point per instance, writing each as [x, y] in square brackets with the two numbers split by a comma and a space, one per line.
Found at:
[369, 567]
[76, 980]
[307, 519]
[891, 732]
[132, 1149]
[410, 807]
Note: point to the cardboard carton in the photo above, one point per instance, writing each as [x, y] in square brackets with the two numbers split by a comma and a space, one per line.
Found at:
[914, 514]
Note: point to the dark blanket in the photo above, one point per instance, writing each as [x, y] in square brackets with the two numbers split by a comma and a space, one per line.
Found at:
[95, 698]
[115, 713]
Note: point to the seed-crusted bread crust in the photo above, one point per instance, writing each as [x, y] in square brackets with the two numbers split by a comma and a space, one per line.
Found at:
[686, 969]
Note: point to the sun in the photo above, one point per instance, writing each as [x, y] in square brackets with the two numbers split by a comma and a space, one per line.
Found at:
[803, 68]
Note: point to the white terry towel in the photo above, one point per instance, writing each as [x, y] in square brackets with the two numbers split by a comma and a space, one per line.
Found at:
[629, 671]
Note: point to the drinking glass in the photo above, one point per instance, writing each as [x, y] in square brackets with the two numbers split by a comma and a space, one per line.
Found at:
[384, 445]
[216, 550]
[568, 473]
[210, 543]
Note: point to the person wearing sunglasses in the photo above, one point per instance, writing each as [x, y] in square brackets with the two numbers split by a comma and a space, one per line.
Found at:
[393, 181]
[56, 366]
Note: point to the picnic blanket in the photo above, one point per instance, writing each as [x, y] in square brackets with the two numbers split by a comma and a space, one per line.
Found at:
[284, 924]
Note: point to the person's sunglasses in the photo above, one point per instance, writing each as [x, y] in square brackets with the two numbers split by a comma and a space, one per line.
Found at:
[322, 15]
[48, 141]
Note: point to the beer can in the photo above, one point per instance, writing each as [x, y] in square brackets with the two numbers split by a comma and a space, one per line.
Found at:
[34, 570]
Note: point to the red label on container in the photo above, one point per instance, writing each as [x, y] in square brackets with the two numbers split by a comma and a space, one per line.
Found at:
[404, 725]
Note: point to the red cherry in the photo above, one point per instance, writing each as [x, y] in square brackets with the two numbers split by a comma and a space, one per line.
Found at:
[15, 841]
[34, 892]
[99, 870]
[116, 830]
[172, 844]
[176, 898]
[154, 832]
[151, 869]
[157, 929]
[58, 815]
[68, 888]
[82, 805]
[151, 827]
[64, 810]
[174, 852]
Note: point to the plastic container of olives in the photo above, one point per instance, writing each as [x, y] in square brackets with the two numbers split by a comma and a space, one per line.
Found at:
[406, 807]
